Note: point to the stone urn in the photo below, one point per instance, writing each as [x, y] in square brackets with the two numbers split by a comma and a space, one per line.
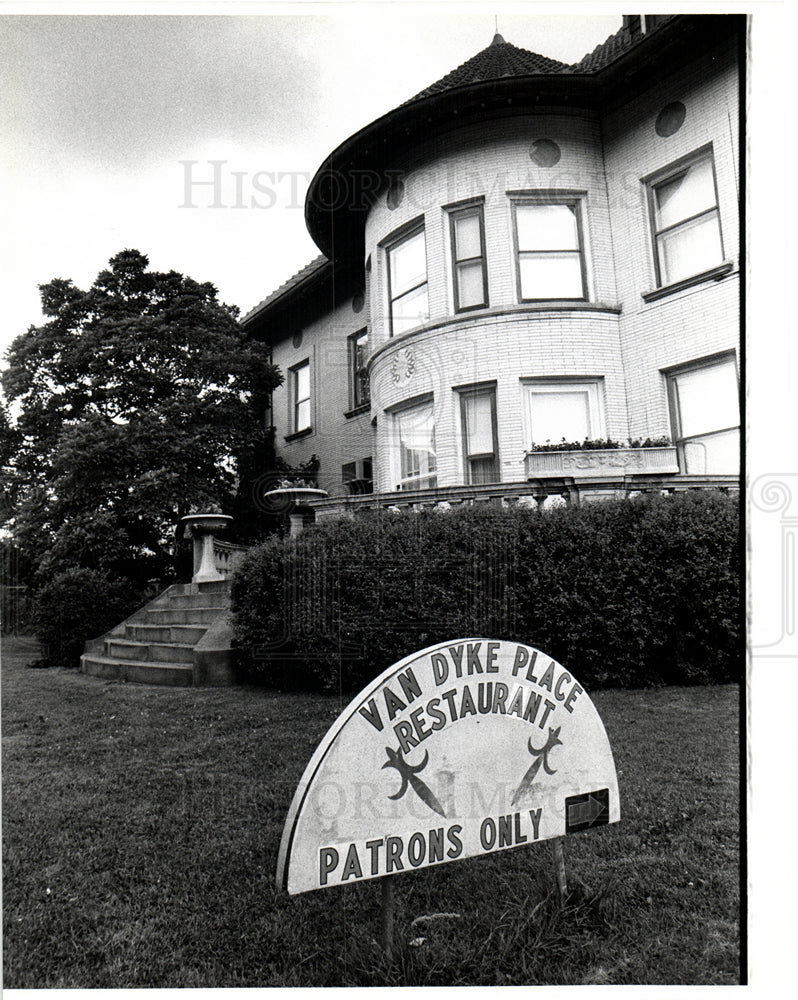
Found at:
[296, 501]
[203, 528]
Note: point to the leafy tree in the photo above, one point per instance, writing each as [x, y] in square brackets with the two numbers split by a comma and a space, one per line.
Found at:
[137, 401]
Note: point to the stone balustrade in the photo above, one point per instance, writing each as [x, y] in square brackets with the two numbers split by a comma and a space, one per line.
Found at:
[227, 557]
[543, 492]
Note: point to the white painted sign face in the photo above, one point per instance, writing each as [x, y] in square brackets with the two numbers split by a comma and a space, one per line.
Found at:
[464, 748]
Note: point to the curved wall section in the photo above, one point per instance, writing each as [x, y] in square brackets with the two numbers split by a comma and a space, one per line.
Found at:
[499, 356]
[545, 158]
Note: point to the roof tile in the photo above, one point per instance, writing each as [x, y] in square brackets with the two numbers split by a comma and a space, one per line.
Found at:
[499, 59]
[287, 286]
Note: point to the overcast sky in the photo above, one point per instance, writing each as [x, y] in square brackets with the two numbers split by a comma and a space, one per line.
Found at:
[100, 113]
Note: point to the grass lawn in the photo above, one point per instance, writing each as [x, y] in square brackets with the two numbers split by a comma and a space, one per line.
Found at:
[141, 827]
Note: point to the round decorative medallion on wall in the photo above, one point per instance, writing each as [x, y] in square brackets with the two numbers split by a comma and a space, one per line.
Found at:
[396, 193]
[545, 152]
[358, 302]
[296, 340]
[670, 119]
[403, 365]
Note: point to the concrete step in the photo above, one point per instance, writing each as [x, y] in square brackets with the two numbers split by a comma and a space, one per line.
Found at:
[165, 674]
[166, 652]
[187, 634]
[212, 587]
[181, 616]
[215, 599]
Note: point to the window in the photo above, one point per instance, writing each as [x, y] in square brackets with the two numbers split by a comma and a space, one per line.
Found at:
[480, 444]
[359, 392]
[468, 258]
[357, 476]
[705, 414]
[407, 282]
[550, 258]
[569, 411]
[685, 222]
[415, 433]
[300, 397]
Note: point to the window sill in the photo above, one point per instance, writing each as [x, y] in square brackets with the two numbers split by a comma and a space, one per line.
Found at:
[357, 410]
[713, 274]
[298, 434]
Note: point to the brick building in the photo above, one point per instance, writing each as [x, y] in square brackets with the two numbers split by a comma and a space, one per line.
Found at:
[525, 253]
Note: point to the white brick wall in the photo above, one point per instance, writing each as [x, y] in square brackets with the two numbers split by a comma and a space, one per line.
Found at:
[506, 348]
[701, 320]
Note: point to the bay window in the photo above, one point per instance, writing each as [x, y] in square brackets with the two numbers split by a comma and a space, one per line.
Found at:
[416, 464]
[480, 443]
[550, 255]
[470, 279]
[557, 411]
[407, 282]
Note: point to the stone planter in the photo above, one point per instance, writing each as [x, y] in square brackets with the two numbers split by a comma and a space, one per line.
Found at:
[601, 462]
[202, 528]
[295, 500]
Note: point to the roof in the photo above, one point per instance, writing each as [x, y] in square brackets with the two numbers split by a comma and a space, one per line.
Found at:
[498, 60]
[307, 272]
[616, 45]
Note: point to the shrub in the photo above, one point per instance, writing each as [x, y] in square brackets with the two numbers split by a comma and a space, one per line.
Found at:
[625, 593]
[77, 605]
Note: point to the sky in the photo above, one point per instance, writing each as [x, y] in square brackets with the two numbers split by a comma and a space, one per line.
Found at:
[193, 138]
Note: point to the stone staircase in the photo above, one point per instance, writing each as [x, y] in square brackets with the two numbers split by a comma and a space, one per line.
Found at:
[182, 638]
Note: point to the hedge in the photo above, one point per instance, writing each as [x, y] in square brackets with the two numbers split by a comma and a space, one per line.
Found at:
[77, 605]
[626, 593]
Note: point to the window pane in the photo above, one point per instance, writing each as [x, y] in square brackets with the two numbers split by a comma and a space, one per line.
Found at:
[690, 249]
[416, 442]
[688, 194]
[557, 415]
[479, 424]
[708, 399]
[483, 470]
[408, 262]
[303, 415]
[551, 276]
[302, 376]
[410, 310]
[468, 239]
[470, 285]
[716, 454]
[547, 227]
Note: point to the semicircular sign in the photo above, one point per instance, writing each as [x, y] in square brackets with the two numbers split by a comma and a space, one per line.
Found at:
[461, 749]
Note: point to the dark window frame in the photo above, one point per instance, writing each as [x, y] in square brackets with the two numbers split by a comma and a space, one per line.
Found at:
[359, 387]
[358, 475]
[573, 199]
[667, 175]
[473, 209]
[390, 246]
[470, 392]
[671, 376]
[415, 402]
[295, 401]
